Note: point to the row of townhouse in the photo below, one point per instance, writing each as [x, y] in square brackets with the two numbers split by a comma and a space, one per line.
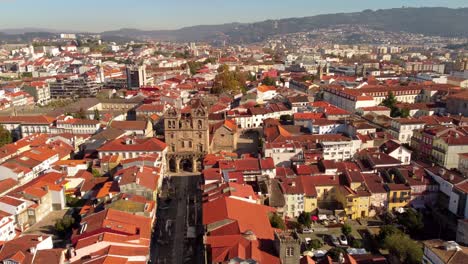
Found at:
[254, 117]
[441, 144]
[29, 164]
[128, 147]
[369, 96]
[23, 126]
[359, 194]
[402, 129]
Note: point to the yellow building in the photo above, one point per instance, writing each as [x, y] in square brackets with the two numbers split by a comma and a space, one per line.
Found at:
[310, 203]
[399, 195]
[356, 204]
[318, 189]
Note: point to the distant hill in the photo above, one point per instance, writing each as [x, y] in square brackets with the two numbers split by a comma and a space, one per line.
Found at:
[435, 21]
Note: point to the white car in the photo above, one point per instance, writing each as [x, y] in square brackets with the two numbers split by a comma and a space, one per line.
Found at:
[307, 231]
[343, 240]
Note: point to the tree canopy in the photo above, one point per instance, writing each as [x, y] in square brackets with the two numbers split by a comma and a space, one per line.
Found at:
[391, 102]
[412, 221]
[277, 222]
[269, 81]
[335, 253]
[232, 82]
[386, 231]
[404, 248]
[5, 137]
[304, 219]
[314, 244]
[346, 229]
[64, 225]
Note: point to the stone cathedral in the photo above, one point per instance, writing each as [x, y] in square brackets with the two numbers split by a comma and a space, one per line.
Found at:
[187, 136]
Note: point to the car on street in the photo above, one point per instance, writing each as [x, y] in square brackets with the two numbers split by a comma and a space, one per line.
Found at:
[343, 240]
[334, 240]
[307, 231]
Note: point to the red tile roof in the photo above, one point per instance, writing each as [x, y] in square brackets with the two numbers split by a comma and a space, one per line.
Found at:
[136, 144]
[248, 216]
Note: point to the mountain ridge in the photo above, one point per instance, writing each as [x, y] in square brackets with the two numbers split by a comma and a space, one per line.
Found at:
[432, 21]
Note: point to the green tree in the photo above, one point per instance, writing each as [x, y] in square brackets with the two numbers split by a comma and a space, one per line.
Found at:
[390, 101]
[304, 219]
[286, 118]
[223, 68]
[277, 222]
[63, 225]
[5, 137]
[226, 81]
[182, 55]
[404, 248]
[210, 60]
[412, 221]
[194, 66]
[335, 253]
[405, 112]
[269, 81]
[314, 244]
[96, 173]
[81, 114]
[97, 115]
[346, 229]
[386, 231]
[357, 243]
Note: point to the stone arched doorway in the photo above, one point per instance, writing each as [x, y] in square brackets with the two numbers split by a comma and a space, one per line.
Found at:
[186, 165]
[173, 165]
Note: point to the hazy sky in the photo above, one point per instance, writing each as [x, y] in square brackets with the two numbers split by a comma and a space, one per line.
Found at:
[99, 15]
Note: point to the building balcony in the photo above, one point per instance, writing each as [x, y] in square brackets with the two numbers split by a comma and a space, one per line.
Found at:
[439, 149]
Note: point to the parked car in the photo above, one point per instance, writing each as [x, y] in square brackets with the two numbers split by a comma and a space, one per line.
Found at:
[307, 231]
[343, 240]
[334, 240]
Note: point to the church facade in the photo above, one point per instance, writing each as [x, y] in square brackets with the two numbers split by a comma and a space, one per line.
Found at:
[186, 133]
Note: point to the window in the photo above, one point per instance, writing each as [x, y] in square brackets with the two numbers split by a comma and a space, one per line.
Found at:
[200, 124]
[289, 251]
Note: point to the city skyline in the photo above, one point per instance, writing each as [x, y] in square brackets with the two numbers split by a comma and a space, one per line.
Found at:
[156, 15]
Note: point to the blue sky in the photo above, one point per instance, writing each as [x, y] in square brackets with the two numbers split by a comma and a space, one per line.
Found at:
[99, 15]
